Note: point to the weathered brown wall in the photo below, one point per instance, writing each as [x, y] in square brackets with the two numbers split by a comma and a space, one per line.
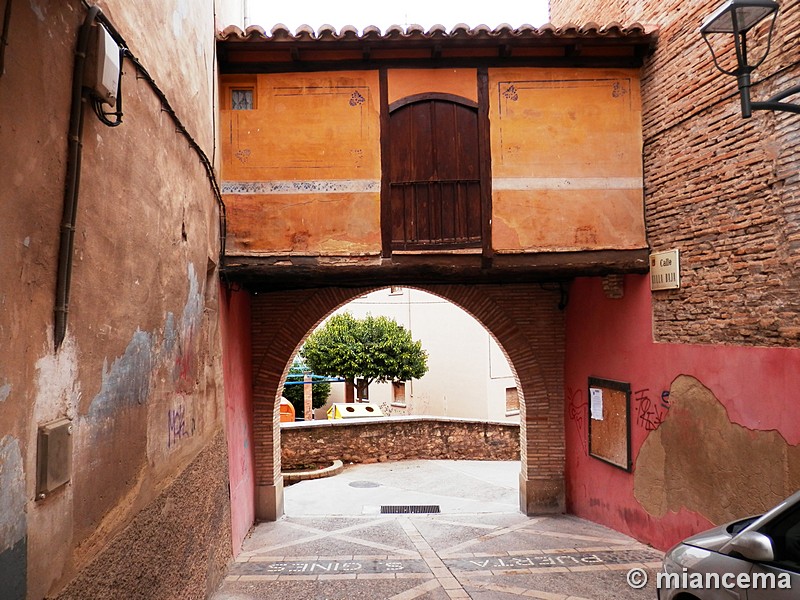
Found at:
[523, 318]
[721, 189]
[186, 528]
[139, 371]
[380, 440]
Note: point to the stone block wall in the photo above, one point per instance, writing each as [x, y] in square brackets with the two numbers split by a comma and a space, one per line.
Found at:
[397, 438]
[723, 190]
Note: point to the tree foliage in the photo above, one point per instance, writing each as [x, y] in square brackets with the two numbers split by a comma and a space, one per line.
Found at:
[373, 348]
[295, 393]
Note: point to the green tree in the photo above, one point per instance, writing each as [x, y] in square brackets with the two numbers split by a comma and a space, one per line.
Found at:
[373, 348]
[295, 393]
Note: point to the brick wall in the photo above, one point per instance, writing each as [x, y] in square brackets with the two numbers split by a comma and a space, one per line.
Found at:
[723, 190]
[397, 438]
[523, 318]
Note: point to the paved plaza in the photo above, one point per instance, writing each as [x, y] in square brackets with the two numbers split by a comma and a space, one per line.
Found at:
[335, 544]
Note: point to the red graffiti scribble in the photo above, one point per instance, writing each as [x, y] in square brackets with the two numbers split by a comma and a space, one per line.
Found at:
[649, 414]
[185, 362]
[577, 409]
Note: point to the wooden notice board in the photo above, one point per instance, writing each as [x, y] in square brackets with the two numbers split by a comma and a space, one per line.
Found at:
[610, 421]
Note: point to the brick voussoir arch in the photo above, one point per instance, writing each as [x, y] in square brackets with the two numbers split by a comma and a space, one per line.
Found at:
[521, 317]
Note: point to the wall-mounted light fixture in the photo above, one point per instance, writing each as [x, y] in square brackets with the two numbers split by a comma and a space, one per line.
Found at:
[737, 18]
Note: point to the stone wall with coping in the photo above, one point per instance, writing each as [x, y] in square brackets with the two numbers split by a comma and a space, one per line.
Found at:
[370, 440]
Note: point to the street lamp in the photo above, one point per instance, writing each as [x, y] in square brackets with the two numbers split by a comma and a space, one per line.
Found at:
[737, 17]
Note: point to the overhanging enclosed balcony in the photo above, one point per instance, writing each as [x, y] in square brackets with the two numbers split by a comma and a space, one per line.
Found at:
[413, 156]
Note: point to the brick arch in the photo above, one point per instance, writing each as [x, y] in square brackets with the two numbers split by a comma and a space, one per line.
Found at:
[523, 318]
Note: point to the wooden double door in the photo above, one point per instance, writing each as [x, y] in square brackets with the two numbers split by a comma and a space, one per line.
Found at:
[434, 174]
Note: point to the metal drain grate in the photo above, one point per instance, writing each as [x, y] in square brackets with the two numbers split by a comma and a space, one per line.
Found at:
[409, 509]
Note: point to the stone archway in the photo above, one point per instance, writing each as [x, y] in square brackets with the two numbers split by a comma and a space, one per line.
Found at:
[526, 321]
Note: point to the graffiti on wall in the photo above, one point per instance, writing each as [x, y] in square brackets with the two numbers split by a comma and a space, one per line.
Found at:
[179, 426]
[650, 413]
[577, 408]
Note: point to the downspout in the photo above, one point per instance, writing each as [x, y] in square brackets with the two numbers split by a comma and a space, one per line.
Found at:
[72, 182]
[4, 36]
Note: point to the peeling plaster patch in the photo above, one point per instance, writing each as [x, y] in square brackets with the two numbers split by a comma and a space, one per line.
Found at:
[193, 311]
[13, 541]
[127, 382]
[12, 493]
[185, 362]
[697, 459]
[5, 390]
[57, 385]
[170, 333]
[178, 17]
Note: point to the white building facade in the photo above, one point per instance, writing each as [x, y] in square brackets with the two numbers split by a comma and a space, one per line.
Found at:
[468, 374]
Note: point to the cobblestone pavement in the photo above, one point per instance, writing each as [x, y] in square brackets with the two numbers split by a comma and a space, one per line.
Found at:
[480, 555]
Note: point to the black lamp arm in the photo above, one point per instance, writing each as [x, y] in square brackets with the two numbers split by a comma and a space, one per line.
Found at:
[775, 103]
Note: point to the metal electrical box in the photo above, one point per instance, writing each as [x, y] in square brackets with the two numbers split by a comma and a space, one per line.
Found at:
[54, 458]
[103, 66]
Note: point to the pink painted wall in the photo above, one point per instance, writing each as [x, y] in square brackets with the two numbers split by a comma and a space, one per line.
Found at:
[612, 339]
[236, 362]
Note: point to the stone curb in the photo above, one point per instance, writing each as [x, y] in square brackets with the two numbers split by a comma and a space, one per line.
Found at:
[336, 468]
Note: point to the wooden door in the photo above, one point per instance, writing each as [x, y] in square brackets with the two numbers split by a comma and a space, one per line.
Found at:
[434, 175]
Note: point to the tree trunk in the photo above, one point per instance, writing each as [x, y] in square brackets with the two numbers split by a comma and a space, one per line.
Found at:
[349, 390]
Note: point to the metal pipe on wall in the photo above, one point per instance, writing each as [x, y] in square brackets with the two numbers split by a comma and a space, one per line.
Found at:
[72, 182]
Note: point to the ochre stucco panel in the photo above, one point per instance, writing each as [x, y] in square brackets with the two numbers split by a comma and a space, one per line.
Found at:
[566, 159]
[305, 126]
[552, 220]
[302, 169]
[409, 82]
[346, 223]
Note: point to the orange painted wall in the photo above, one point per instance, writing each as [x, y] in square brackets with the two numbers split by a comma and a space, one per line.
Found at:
[302, 170]
[312, 146]
[408, 82]
[566, 159]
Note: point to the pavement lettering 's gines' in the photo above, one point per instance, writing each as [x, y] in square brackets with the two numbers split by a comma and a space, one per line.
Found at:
[334, 544]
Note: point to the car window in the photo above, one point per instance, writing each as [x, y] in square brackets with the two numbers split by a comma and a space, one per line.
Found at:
[738, 526]
[784, 531]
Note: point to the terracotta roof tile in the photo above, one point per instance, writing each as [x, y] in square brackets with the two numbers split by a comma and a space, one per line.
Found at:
[305, 33]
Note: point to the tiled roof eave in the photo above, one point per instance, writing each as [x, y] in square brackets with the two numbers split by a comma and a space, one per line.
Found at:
[395, 34]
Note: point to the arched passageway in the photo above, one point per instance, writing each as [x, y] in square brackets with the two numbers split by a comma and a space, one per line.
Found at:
[526, 321]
